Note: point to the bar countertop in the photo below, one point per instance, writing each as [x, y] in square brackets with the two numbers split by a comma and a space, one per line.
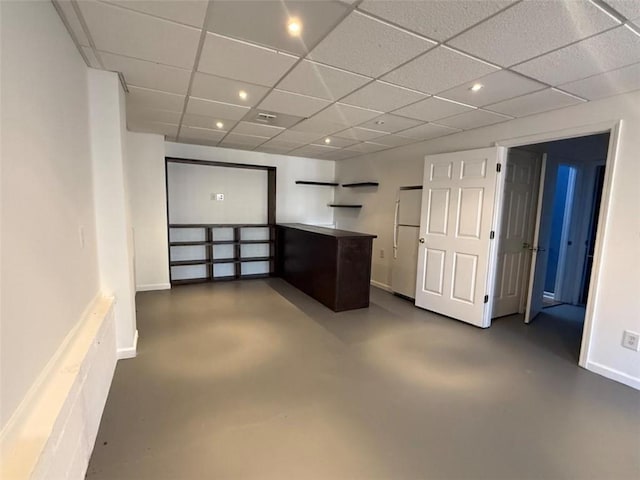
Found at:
[330, 232]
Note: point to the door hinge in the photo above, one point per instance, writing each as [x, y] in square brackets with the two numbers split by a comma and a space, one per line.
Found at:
[492, 235]
[498, 167]
[486, 299]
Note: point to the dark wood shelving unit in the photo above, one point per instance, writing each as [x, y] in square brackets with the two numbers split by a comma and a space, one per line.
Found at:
[344, 205]
[324, 184]
[209, 259]
[360, 184]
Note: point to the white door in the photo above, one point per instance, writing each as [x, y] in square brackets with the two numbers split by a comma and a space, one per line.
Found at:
[519, 206]
[456, 250]
[539, 253]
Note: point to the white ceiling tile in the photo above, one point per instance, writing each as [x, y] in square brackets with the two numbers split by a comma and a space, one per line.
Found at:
[615, 82]
[536, 102]
[248, 128]
[438, 70]
[319, 126]
[364, 45]
[438, 20]
[346, 114]
[293, 103]
[226, 90]
[531, 28]
[496, 87]
[367, 147]
[196, 133]
[141, 73]
[339, 142]
[428, 131]
[149, 98]
[473, 119]
[209, 108]
[360, 134]
[277, 143]
[272, 149]
[317, 80]
[238, 140]
[628, 8]
[140, 114]
[91, 57]
[614, 49]
[390, 123]
[432, 109]
[340, 154]
[241, 61]
[383, 96]
[72, 20]
[265, 22]
[394, 140]
[125, 32]
[153, 127]
[189, 12]
[313, 151]
[204, 121]
[296, 137]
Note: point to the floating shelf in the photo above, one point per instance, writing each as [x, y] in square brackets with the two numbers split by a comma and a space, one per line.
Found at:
[325, 184]
[361, 184]
[338, 205]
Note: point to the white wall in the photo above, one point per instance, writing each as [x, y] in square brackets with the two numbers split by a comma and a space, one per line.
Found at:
[294, 203]
[617, 303]
[113, 225]
[48, 276]
[147, 196]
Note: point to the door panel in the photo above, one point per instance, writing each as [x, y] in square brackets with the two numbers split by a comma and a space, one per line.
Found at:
[457, 218]
[516, 231]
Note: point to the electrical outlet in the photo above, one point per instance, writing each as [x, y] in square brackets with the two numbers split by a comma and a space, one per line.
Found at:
[381, 253]
[631, 340]
[218, 197]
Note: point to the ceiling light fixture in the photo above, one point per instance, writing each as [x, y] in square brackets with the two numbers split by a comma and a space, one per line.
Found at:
[476, 86]
[242, 94]
[327, 140]
[294, 27]
[219, 124]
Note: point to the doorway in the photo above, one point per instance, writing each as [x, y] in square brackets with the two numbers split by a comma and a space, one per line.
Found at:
[545, 259]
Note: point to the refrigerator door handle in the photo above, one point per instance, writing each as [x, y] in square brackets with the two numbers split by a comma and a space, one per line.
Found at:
[395, 229]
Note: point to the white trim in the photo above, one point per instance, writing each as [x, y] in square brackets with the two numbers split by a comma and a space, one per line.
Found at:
[613, 374]
[550, 136]
[153, 286]
[129, 352]
[382, 286]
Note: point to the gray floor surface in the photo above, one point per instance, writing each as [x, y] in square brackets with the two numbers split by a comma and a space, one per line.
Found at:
[255, 380]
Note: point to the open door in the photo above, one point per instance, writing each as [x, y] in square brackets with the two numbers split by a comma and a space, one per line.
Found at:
[539, 256]
[456, 251]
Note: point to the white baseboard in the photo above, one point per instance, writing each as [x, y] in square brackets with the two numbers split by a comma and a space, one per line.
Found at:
[382, 286]
[53, 431]
[129, 352]
[618, 376]
[153, 286]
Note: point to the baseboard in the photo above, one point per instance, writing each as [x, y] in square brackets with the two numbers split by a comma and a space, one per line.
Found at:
[613, 374]
[52, 433]
[382, 286]
[129, 352]
[153, 286]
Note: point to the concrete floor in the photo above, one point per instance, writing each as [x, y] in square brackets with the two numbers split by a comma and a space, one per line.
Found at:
[254, 380]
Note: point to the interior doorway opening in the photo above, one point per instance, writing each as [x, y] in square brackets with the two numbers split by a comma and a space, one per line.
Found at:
[550, 210]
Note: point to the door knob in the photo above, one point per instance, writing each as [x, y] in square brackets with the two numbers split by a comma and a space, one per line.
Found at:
[421, 240]
[526, 246]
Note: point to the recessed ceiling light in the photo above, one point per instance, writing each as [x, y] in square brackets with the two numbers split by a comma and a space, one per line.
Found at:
[294, 27]
[219, 124]
[242, 94]
[476, 86]
[327, 140]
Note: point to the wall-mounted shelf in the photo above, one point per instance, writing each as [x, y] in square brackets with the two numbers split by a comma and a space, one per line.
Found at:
[325, 184]
[343, 205]
[361, 184]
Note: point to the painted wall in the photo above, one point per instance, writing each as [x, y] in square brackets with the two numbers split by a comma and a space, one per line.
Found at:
[617, 304]
[294, 203]
[49, 269]
[147, 196]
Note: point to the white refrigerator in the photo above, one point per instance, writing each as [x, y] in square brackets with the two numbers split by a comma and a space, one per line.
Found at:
[405, 241]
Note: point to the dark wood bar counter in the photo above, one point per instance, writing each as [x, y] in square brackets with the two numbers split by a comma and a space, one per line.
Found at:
[332, 266]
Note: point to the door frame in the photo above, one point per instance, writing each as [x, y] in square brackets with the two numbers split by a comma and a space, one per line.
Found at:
[614, 128]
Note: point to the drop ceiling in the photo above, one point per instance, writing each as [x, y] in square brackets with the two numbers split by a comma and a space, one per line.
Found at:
[363, 76]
